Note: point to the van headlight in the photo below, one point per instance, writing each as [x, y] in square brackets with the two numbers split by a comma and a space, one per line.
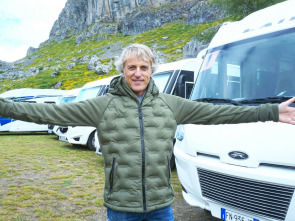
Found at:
[180, 133]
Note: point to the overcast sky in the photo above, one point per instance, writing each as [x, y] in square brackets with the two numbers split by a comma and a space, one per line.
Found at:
[25, 23]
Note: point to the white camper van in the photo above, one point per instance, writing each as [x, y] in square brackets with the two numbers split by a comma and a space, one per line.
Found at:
[244, 171]
[85, 135]
[33, 96]
[176, 78]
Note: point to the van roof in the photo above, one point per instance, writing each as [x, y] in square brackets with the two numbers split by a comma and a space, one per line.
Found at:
[32, 92]
[73, 92]
[277, 17]
[177, 65]
[104, 81]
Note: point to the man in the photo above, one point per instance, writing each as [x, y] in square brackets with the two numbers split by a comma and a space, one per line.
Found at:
[136, 126]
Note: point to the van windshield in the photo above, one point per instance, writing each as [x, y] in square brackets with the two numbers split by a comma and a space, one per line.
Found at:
[88, 93]
[161, 79]
[254, 69]
[66, 100]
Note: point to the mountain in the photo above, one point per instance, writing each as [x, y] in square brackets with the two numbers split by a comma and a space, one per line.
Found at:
[89, 34]
[129, 16]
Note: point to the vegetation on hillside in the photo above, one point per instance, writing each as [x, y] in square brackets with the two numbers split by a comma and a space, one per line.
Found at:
[168, 40]
[240, 9]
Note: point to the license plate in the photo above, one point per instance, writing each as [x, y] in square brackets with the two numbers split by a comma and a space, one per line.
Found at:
[63, 138]
[232, 216]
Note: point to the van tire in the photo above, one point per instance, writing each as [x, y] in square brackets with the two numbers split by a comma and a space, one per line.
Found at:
[91, 142]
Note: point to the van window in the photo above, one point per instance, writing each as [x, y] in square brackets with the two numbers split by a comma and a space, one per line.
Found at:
[88, 93]
[255, 68]
[66, 100]
[161, 79]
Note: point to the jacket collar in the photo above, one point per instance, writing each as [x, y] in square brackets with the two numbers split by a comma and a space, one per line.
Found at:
[119, 86]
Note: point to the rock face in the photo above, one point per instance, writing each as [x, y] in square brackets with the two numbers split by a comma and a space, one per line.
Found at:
[97, 28]
[31, 50]
[4, 66]
[78, 14]
[203, 12]
[133, 16]
[146, 18]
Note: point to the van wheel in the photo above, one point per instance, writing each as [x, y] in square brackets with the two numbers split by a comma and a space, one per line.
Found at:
[91, 142]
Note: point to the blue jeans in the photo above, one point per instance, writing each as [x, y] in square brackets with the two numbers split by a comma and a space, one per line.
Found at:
[164, 214]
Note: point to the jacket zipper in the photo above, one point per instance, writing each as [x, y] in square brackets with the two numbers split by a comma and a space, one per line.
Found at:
[143, 157]
[169, 173]
[112, 175]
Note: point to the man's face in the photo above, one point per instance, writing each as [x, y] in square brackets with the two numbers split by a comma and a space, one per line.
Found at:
[137, 74]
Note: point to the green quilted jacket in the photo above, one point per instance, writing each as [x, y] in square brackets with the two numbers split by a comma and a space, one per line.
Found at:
[136, 137]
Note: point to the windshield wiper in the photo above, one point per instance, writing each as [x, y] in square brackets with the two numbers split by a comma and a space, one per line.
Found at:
[219, 100]
[264, 100]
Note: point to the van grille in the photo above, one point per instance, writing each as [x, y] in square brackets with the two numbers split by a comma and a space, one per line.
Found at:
[268, 200]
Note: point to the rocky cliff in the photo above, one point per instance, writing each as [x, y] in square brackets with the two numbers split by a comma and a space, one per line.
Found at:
[129, 16]
[79, 14]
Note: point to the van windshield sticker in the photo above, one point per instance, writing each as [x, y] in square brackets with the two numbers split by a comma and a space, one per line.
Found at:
[269, 24]
[209, 60]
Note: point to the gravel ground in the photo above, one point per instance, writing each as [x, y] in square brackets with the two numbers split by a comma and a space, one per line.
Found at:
[184, 212]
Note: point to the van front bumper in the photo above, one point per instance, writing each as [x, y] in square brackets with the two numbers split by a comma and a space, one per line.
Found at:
[252, 192]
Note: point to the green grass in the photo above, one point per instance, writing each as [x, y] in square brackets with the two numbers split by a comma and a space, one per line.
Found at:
[42, 178]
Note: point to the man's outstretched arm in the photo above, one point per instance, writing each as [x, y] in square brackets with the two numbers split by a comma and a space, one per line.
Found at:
[286, 113]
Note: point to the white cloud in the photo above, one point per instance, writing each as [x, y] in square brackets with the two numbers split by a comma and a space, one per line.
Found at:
[12, 53]
[25, 23]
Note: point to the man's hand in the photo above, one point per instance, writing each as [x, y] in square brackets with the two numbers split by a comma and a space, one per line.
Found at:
[286, 113]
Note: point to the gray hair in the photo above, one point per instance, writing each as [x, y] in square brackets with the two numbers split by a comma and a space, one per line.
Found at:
[142, 51]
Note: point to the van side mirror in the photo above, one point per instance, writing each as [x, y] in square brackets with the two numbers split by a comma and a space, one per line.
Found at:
[184, 84]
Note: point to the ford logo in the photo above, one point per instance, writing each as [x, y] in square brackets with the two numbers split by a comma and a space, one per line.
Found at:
[238, 155]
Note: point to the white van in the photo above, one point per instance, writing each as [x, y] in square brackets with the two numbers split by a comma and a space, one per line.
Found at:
[33, 96]
[21, 94]
[176, 78]
[82, 135]
[69, 97]
[244, 171]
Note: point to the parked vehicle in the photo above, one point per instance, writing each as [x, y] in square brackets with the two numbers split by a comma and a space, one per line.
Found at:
[32, 96]
[176, 78]
[244, 171]
[68, 97]
[18, 95]
[85, 135]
